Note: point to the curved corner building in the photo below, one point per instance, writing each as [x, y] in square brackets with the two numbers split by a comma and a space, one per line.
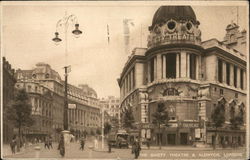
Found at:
[190, 77]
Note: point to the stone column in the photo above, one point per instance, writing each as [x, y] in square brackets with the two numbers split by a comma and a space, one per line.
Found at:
[128, 75]
[198, 62]
[149, 69]
[188, 65]
[244, 80]
[164, 66]
[231, 75]
[159, 67]
[238, 77]
[183, 64]
[155, 68]
[177, 66]
[224, 72]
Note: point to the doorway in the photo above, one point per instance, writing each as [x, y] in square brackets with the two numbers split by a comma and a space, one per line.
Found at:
[183, 138]
[171, 139]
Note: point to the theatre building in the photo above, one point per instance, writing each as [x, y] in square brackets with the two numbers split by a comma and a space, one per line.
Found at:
[190, 77]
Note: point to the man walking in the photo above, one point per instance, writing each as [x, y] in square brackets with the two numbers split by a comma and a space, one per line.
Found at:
[50, 142]
[13, 145]
[61, 146]
[82, 143]
[46, 143]
[137, 148]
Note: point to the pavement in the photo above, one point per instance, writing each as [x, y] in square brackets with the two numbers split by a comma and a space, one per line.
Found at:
[73, 151]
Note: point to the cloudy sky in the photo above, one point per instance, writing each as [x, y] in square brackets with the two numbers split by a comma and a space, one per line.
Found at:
[28, 29]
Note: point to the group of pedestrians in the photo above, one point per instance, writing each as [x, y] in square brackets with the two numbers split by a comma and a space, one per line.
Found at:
[48, 143]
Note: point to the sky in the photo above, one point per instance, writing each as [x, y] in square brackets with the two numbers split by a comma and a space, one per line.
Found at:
[28, 29]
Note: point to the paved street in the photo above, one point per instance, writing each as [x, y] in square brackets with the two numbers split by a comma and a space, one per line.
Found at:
[175, 152]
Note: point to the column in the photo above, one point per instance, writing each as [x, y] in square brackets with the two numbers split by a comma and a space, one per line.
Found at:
[177, 66]
[77, 116]
[149, 69]
[188, 65]
[155, 68]
[183, 64]
[128, 81]
[73, 116]
[238, 77]
[159, 65]
[224, 72]
[244, 80]
[198, 59]
[231, 75]
[164, 66]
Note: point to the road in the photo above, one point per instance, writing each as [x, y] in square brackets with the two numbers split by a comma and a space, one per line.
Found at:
[175, 152]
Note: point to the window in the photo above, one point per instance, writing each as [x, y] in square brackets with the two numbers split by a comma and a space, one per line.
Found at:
[236, 95]
[171, 65]
[228, 73]
[221, 92]
[152, 70]
[241, 79]
[192, 66]
[235, 76]
[220, 70]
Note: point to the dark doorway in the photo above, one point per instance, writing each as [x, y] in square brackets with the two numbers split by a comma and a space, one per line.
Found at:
[171, 65]
[171, 139]
[183, 138]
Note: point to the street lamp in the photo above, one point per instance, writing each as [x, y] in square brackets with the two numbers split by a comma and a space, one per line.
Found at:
[64, 23]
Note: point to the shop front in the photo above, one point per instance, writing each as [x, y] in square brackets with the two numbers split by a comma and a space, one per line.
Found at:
[182, 133]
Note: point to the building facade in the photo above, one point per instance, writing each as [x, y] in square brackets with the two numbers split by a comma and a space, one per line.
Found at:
[7, 97]
[46, 91]
[189, 76]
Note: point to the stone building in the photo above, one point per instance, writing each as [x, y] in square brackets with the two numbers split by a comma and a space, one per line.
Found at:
[46, 91]
[189, 76]
[84, 115]
[8, 85]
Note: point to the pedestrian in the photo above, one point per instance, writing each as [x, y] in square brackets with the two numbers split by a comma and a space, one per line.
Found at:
[148, 143]
[46, 143]
[137, 149]
[13, 145]
[95, 143]
[110, 146]
[61, 146]
[50, 142]
[82, 143]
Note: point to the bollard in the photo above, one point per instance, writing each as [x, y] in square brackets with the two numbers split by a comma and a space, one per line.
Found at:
[37, 151]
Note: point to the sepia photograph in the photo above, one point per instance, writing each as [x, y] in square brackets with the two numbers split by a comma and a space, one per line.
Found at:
[124, 80]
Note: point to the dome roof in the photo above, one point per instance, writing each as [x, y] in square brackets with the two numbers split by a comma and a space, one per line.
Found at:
[164, 13]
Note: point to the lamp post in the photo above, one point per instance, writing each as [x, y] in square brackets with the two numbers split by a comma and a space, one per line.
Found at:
[64, 23]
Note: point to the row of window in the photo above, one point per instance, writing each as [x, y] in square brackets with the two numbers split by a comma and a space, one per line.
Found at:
[169, 66]
[231, 75]
[128, 82]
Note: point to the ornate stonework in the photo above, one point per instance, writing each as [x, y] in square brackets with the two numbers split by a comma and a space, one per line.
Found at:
[173, 31]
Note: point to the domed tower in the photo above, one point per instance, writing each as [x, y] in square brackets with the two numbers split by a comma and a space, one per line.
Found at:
[174, 25]
[174, 70]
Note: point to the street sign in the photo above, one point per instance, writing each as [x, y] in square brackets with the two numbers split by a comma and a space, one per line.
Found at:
[72, 106]
[197, 133]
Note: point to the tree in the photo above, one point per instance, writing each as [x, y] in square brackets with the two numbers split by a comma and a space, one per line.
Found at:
[237, 120]
[19, 112]
[218, 118]
[128, 118]
[160, 117]
[107, 128]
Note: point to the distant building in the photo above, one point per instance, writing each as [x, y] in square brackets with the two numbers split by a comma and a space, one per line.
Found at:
[8, 85]
[111, 105]
[189, 77]
[46, 91]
